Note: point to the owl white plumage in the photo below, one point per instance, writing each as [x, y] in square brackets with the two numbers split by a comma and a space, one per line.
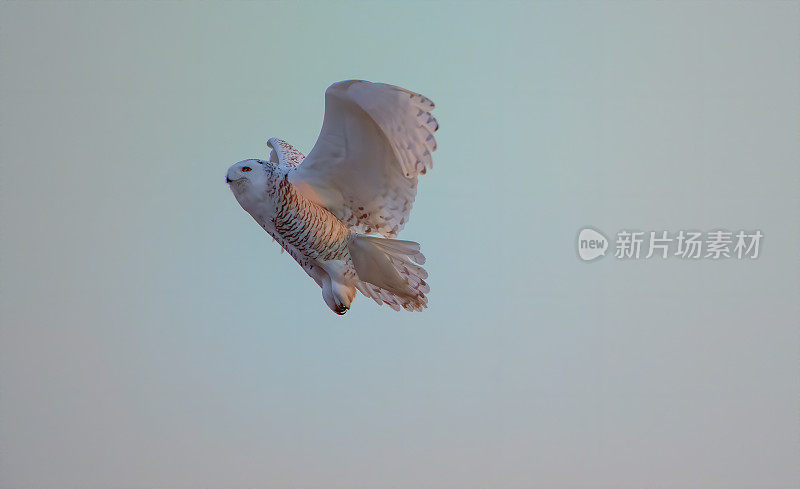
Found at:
[360, 178]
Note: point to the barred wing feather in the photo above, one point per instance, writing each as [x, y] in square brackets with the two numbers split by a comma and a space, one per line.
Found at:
[284, 154]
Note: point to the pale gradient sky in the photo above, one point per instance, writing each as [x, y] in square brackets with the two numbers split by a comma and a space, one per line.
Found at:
[153, 336]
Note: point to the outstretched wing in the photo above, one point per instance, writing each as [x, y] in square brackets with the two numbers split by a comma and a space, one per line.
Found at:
[284, 154]
[375, 140]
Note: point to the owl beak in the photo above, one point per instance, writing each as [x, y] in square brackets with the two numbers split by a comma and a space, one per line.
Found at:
[227, 180]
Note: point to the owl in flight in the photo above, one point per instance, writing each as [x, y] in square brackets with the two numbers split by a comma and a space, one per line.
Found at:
[359, 179]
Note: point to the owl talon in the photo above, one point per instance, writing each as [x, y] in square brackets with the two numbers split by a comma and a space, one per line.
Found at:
[341, 310]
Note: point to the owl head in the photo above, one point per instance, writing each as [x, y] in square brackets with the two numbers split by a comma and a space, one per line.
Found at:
[248, 172]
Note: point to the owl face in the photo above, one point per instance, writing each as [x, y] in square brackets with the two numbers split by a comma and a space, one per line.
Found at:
[247, 171]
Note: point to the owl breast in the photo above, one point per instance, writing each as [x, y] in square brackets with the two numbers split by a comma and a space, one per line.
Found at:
[308, 227]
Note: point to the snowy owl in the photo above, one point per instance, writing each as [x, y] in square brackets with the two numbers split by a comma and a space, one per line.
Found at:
[359, 179]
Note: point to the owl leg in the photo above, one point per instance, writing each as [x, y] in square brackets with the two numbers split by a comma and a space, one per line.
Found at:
[336, 288]
[327, 296]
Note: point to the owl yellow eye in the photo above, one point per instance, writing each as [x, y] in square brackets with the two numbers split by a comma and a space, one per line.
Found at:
[246, 169]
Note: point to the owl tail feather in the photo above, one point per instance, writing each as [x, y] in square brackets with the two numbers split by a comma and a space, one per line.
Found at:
[389, 271]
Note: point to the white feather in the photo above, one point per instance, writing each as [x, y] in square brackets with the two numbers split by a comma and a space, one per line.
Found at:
[375, 140]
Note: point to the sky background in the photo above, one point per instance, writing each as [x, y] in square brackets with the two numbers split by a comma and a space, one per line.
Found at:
[153, 335]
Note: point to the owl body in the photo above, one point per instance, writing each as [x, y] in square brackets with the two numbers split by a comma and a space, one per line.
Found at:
[311, 234]
[308, 227]
[319, 208]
